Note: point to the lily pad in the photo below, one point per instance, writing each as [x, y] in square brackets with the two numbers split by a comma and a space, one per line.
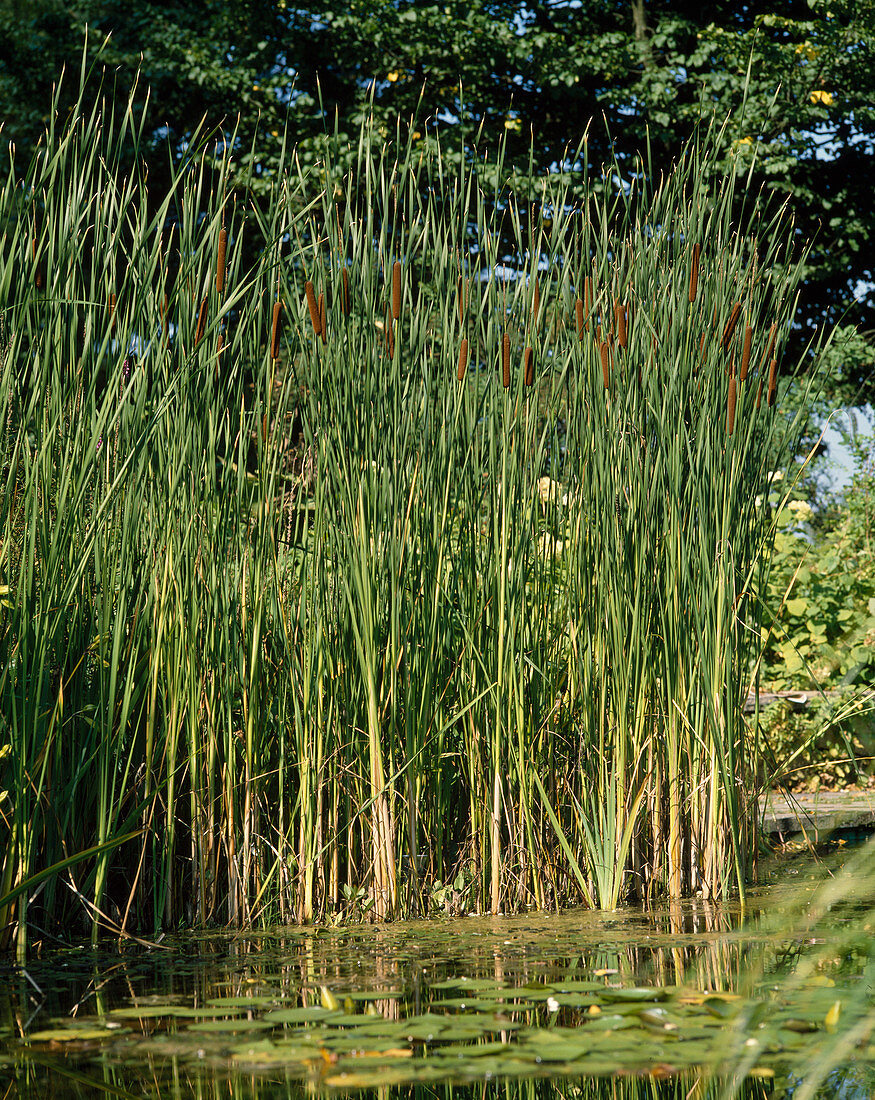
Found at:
[301, 1015]
[242, 1002]
[632, 994]
[70, 1035]
[242, 1024]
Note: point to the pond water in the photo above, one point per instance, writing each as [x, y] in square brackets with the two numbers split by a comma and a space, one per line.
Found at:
[685, 1001]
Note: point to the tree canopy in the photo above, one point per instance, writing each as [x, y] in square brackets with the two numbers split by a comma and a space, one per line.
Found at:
[798, 80]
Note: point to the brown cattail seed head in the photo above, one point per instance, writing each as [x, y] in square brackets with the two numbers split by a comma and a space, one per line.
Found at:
[773, 383]
[694, 273]
[745, 353]
[201, 322]
[578, 309]
[505, 361]
[605, 353]
[275, 329]
[220, 261]
[323, 319]
[345, 297]
[620, 314]
[529, 366]
[313, 306]
[536, 300]
[463, 360]
[220, 347]
[396, 290]
[730, 325]
[730, 407]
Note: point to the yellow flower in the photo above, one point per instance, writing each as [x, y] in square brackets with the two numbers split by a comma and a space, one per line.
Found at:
[415, 135]
[826, 98]
[512, 124]
[744, 141]
[393, 76]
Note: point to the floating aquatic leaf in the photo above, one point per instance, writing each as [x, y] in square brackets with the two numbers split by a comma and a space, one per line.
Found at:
[720, 1007]
[640, 993]
[266, 1052]
[242, 1024]
[154, 1011]
[572, 1000]
[577, 985]
[610, 1021]
[417, 1029]
[478, 1050]
[242, 1002]
[657, 1018]
[801, 1027]
[473, 1004]
[301, 1015]
[70, 1035]
[458, 1034]
[348, 1019]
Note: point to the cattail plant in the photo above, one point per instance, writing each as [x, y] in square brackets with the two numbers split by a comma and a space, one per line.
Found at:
[730, 406]
[529, 366]
[745, 353]
[334, 626]
[729, 328]
[694, 273]
[463, 360]
[221, 260]
[201, 322]
[772, 393]
[313, 306]
[396, 290]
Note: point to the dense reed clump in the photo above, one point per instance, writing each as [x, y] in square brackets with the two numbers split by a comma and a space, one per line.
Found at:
[309, 607]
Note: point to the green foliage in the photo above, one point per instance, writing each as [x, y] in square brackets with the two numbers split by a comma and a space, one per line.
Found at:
[830, 743]
[822, 588]
[797, 83]
[823, 583]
